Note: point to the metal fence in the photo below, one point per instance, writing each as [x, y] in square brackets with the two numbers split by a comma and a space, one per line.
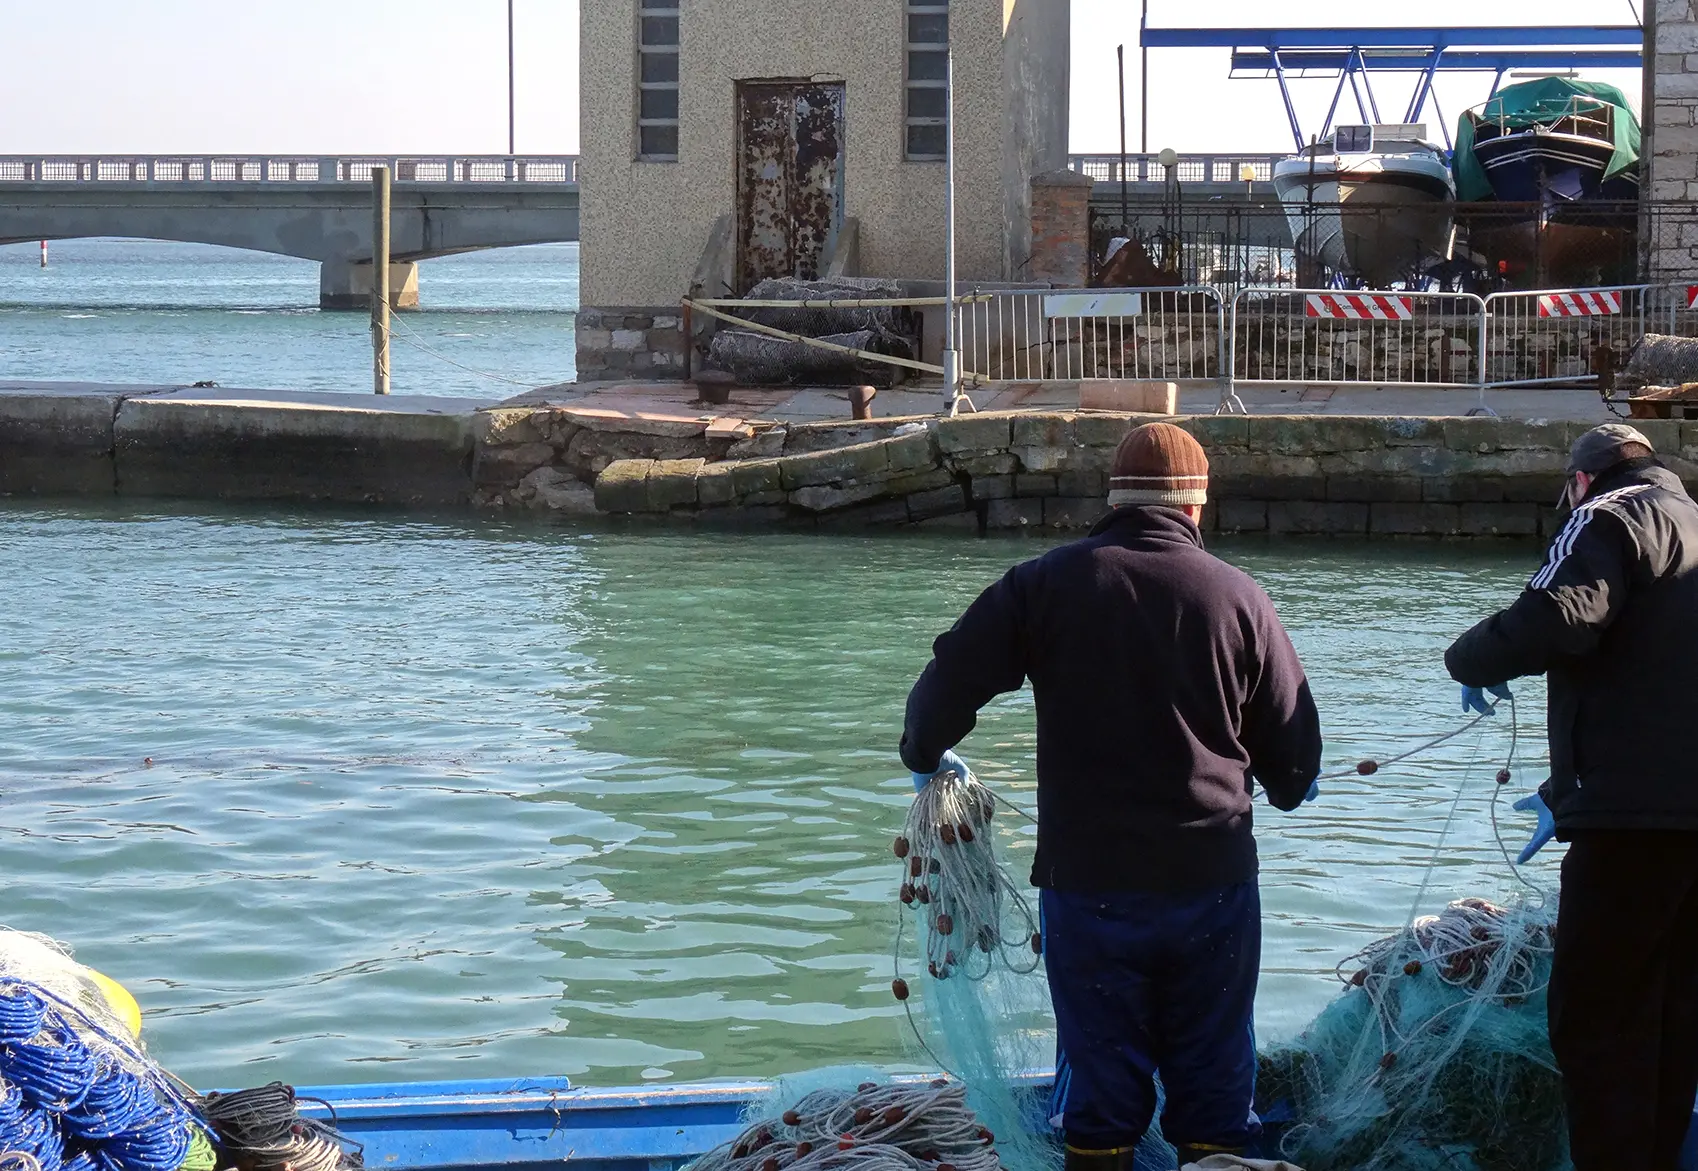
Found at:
[1147, 168]
[1244, 239]
[1550, 336]
[1372, 338]
[1076, 335]
[286, 169]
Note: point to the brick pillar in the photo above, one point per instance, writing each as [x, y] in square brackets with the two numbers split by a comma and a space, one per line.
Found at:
[1671, 139]
[1061, 229]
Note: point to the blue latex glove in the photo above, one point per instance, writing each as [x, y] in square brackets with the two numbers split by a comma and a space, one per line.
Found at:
[1314, 791]
[1474, 698]
[949, 763]
[1542, 833]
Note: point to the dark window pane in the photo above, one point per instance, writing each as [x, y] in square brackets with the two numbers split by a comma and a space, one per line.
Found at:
[660, 3]
[927, 65]
[660, 30]
[657, 142]
[927, 102]
[660, 67]
[928, 29]
[925, 141]
[659, 103]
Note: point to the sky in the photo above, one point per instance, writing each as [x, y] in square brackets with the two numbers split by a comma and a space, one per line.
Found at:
[430, 76]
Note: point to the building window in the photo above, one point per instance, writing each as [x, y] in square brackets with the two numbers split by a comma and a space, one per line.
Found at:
[926, 124]
[657, 81]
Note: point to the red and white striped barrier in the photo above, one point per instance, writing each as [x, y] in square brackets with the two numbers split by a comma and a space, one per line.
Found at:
[1692, 296]
[1359, 306]
[1579, 304]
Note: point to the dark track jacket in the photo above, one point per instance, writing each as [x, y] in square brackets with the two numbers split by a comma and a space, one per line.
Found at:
[1611, 617]
[1164, 682]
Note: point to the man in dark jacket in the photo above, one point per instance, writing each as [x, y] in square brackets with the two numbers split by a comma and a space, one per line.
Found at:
[1611, 618]
[1163, 683]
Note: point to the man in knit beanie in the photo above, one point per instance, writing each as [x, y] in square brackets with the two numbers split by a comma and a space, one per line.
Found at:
[1165, 689]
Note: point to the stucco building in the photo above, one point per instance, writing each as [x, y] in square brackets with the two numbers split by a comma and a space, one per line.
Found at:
[728, 140]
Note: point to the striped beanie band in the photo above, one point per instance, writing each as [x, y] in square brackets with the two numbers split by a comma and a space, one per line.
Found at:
[1159, 463]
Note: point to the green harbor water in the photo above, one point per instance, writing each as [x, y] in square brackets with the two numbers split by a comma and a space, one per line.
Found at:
[435, 798]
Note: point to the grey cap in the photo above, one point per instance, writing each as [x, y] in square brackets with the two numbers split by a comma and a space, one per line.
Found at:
[1599, 449]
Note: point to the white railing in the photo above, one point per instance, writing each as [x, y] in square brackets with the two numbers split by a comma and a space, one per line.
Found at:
[1085, 334]
[1549, 336]
[1358, 337]
[286, 168]
[1204, 168]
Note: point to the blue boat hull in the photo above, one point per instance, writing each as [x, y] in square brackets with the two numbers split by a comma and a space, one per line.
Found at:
[533, 1124]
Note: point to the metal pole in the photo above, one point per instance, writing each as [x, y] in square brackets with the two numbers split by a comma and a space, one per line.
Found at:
[380, 280]
[1125, 218]
[1144, 83]
[44, 254]
[951, 355]
[510, 139]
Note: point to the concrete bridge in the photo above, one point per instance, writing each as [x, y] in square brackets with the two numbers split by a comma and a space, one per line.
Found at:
[319, 208]
[313, 208]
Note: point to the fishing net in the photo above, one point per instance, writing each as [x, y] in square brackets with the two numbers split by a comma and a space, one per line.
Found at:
[818, 321]
[758, 359]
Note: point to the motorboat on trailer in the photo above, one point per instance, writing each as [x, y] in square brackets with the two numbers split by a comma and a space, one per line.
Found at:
[1548, 171]
[1368, 203]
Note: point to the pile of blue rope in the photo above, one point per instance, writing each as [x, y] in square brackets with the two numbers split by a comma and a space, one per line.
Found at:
[75, 1107]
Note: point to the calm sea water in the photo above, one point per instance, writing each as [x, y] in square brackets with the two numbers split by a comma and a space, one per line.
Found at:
[434, 798]
[491, 324]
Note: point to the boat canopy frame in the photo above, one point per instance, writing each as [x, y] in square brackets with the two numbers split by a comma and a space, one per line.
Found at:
[1355, 54]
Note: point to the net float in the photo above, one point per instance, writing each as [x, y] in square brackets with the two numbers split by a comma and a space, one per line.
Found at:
[803, 1150]
[916, 867]
[1412, 968]
[898, 989]
[894, 1115]
[901, 847]
[863, 1116]
[791, 1118]
[944, 925]
[906, 894]
[946, 833]
[964, 832]
[1368, 767]
[1503, 776]
[1037, 943]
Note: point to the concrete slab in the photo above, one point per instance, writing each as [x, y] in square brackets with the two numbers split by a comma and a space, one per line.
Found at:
[217, 443]
[56, 437]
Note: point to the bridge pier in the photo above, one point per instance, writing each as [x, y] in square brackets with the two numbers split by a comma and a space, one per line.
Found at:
[346, 284]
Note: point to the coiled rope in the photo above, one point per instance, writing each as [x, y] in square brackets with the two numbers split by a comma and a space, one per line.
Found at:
[894, 1127]
[262, 1130]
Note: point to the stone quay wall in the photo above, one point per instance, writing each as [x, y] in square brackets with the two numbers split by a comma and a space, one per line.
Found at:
[630, 343]
[1356, 476]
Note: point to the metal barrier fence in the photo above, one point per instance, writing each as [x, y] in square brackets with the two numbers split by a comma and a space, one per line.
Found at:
[1083, 334]
[1549, 336]
[286, 169]
[1365, 338]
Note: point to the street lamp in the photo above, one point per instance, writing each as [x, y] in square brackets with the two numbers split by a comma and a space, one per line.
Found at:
[510, 149]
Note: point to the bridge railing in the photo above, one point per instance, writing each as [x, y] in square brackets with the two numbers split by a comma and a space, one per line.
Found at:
[286, 168]
[1205, 168]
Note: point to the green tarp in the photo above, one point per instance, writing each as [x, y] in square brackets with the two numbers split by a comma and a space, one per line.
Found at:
[1529, 102]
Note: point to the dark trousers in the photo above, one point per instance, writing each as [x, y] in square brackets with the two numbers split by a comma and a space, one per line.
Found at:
[1624, 996]
[1147, 982]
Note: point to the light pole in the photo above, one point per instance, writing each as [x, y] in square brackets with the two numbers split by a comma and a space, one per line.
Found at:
[510, 149]
[951, 351]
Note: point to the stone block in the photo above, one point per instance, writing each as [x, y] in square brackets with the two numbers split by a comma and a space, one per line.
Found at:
[629, 340]
[667, 321]
[590, 338]
[912, 452]
[1242, 516]
[1040, 431]
[1065, 512]
[716, 485]
[1463, 489]
[1136, 396]
[1044, 459]
[1534, 489]
[623, 486]
[1103, 433]
[938, 502]
[985, 465]
[827, 497]
[1477, 433]
[861, 462]
[1427, 519]
[500, 467]
[555, 491]
[1013, 514]
[1535, 434]
[1217, 431]
[802, 438]
[974, 433]
[1317, 516]
[776, 497]
[1675, 37]
[881, 513]
[921, 481]
[1664, 434]
[992, 487]
[1482, 519]
[1080, 484]
[512, 426]
[762, 445]
[59, 439]
[1026, 484]
[1299, 435]
[754, 476]
[1373, 489]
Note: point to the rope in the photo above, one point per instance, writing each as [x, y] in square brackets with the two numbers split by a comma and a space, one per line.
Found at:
[924, 1126]
[412, 340]
[262, 1130]
[786, 335]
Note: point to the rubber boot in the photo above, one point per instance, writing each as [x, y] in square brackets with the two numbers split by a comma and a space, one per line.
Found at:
[1197, 1153]
[1116, 1159]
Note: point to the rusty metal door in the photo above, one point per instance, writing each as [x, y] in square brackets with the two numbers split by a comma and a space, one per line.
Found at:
[789, 178]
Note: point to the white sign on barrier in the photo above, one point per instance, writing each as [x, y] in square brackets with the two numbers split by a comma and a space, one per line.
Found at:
[1093, 304]
[1579, 304]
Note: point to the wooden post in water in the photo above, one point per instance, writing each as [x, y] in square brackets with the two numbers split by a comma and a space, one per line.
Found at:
[380, 280]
